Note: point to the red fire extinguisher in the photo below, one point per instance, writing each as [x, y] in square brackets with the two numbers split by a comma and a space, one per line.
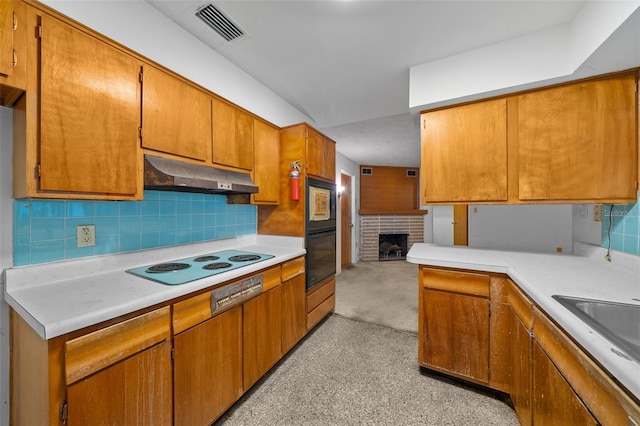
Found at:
[294, 180]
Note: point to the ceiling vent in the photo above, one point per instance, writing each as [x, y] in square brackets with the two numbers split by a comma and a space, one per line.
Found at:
[220, 22]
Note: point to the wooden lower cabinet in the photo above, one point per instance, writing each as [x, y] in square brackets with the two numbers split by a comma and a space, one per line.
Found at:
[554, 402]
[294, 317]
[521, 341]
[321, 301]
[456, 334]
[262, 335]
[176, 364]
[453, 324]
[116, 375]
[480, 327]
[208, 368]
[117, 396]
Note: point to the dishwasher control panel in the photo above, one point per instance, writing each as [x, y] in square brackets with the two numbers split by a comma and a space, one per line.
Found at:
[234, 293]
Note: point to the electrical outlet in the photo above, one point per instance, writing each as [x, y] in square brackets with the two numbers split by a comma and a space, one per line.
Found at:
[597, 213]
[86, 235]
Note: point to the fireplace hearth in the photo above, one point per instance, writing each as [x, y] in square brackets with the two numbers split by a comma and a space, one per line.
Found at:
[392, 246]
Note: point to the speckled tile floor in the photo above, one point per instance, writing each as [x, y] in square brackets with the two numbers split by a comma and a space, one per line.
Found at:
[348, 372]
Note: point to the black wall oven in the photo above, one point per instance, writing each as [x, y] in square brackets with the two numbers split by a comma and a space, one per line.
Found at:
[320, 240]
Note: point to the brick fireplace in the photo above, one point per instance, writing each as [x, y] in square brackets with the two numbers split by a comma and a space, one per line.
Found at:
[373, 226]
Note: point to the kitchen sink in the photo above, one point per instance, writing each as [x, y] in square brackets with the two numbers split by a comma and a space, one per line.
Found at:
[617, 322]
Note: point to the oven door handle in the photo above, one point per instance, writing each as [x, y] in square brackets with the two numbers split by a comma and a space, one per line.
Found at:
[321, 232]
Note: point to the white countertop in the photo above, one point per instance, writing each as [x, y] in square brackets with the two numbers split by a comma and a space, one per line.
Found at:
[585, 274]
[60, 297]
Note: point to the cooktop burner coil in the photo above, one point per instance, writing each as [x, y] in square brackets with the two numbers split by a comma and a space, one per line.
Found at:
[244, 258]
[207, 258]
[167, 267]
[217, 265]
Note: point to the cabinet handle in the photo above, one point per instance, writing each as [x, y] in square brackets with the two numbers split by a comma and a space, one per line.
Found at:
[15, 58]
[15, 21]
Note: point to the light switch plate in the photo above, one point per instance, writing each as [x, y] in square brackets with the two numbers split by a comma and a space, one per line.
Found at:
[86, 235]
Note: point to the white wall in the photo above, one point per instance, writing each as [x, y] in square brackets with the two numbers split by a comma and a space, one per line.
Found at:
[6, 251]
[442, 225]
[538, 228]
[584, 228]
[346, 166]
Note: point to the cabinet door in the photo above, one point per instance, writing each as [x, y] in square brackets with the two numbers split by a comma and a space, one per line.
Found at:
[176, 117]
[232, 136]
[13, 31]
[456, 334]
[293, 312]
[464, 153]
[262, 331]
[521, 378]
[321, 155]
[6, 37]
[554, 402]
[579, 142]
[329, 159]
[90, 113]
[136, 391]
[266, 171]
[208, 368]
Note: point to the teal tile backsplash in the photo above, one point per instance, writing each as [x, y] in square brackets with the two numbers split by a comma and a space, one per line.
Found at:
[45, 230]
[623, 226]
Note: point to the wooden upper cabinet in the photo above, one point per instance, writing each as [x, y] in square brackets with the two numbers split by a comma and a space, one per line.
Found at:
[464, 153]
[13, 32]
[321, 155]
[579, 142]
[232, 136]
[266, 173]
[89, 114]
[572, 143]
[176, 116]
[6, 37]
[329, 159]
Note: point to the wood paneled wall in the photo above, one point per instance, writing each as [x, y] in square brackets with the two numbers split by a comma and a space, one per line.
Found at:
[389, 190]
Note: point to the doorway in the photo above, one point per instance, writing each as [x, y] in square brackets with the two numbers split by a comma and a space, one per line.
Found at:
[346, 220]
[461, 225]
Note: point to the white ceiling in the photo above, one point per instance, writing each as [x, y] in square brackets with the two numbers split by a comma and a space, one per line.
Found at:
[345, 64]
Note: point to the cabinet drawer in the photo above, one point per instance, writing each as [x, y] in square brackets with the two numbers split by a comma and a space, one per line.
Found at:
[270, 278]
[320, 294]
[456, 281]
[292, 268]
[320, 311]
[190, 312]
[521, 306]
[94, 351]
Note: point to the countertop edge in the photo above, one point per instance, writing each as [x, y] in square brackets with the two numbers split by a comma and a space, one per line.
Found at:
[27, 298]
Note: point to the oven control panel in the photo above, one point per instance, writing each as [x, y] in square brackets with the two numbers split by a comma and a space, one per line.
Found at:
[234, 293]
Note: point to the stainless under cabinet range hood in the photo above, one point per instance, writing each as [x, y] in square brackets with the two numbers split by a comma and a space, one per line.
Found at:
[166, 174]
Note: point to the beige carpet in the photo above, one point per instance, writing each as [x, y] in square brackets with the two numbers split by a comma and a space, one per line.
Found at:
[384, 293]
